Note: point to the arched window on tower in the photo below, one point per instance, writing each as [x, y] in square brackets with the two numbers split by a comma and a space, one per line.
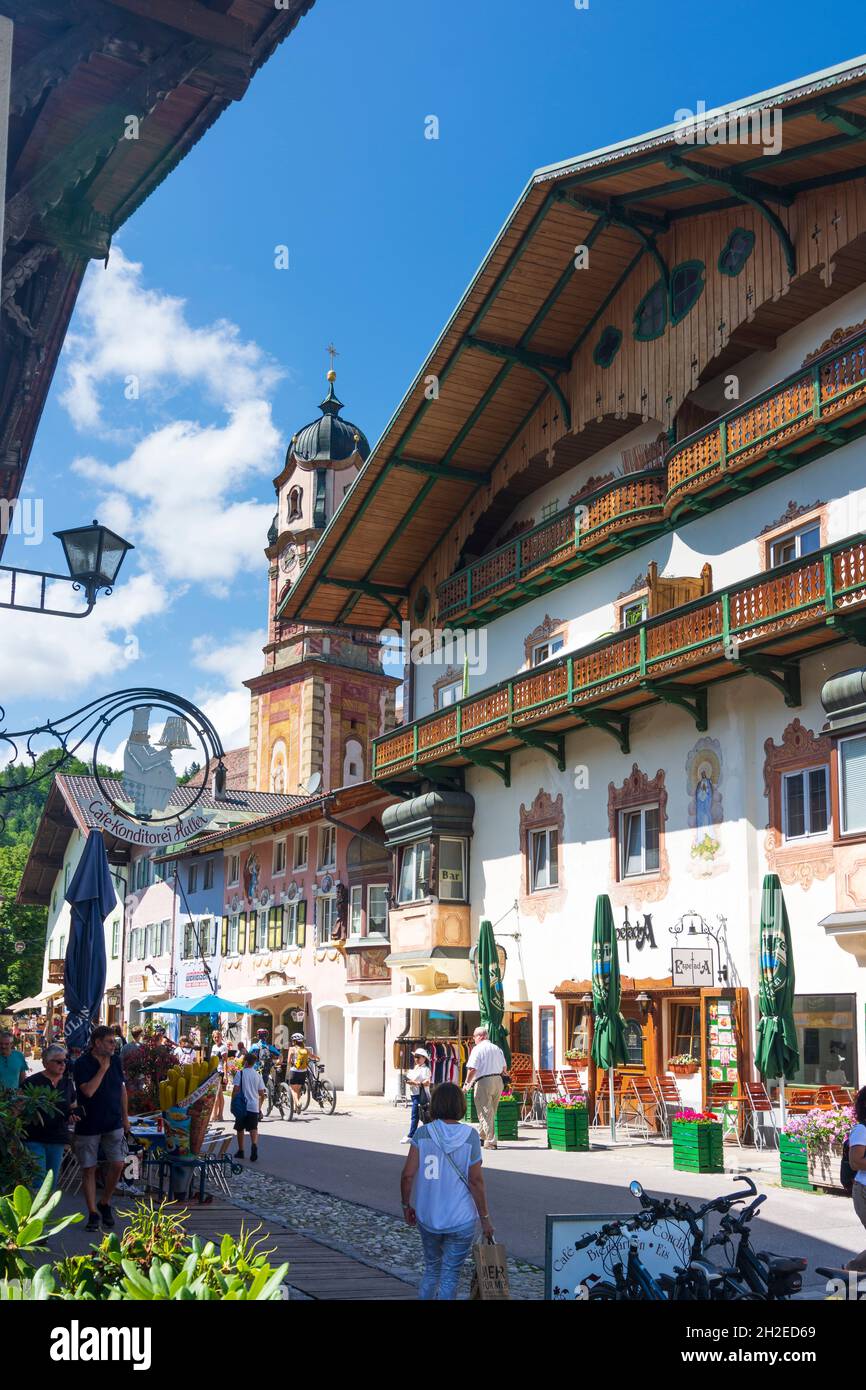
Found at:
[295, 499]
[279, 767]
[353, 762]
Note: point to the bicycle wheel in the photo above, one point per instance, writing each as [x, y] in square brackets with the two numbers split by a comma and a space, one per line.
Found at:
[327, 1096]
[288, 1101]
[269, 1103]
[305, 1096]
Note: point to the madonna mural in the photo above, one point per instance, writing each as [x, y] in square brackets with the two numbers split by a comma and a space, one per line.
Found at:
[703, 782]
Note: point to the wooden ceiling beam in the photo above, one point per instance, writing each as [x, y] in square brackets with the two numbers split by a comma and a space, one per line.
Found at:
[53, 63]
[441, 470]
[747, 191]
[194, 19]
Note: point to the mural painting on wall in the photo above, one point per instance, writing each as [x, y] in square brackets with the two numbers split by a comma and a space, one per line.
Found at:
[703, 782]
[252, 869]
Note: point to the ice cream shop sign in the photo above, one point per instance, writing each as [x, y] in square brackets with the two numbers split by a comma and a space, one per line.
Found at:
[147, 805]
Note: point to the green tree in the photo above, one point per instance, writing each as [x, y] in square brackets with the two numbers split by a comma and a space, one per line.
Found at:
[20, 971]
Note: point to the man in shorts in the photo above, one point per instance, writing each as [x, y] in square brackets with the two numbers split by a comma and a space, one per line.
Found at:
[249, 1086]
[101, 1092]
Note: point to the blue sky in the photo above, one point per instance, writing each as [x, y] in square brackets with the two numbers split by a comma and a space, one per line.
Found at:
[326, 155]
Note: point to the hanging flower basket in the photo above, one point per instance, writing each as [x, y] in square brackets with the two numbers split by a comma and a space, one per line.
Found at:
[697, 1136]
[684, 1065]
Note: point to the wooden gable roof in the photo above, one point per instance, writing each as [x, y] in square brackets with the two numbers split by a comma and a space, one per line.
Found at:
[515, 332]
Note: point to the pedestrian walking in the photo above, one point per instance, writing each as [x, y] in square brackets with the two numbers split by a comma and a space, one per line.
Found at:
[857, 1159]
[442, 1191]
[419, 1078]
[130, 1048]
[486, 1069]
[247, 1095]
[101, 1093]
[220, 1050]
[184, 1053]
[48, 1135]
[13, 1064]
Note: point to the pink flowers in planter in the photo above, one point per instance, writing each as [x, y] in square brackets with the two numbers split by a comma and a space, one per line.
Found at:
[696, 1117]
[567, 1103]
[819, 1127]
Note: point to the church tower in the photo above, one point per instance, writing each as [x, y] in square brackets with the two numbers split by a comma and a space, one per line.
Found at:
[322, 696]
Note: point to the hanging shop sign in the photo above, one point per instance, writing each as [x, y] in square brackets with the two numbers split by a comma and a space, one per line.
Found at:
[691, 967]
[637, 934]
[570, 1275]
[155, 835]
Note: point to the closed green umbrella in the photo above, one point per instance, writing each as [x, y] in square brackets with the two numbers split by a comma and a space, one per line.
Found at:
[609, 1048]
[491, 997]
[777, 1052]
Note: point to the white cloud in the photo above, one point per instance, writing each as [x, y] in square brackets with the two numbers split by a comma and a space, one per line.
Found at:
[238, 657]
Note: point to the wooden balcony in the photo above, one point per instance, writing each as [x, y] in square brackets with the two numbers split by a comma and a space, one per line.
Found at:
[801, 418]
[762, 625]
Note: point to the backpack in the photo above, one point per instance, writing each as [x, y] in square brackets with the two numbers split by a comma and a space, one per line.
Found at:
[302, 1057]
[846, 1172]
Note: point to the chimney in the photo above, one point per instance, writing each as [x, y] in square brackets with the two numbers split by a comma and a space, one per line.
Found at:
[218, 782]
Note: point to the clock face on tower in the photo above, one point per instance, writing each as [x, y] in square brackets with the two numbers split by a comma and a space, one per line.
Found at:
[289, 559]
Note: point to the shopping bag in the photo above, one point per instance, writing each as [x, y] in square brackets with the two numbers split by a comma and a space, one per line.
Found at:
[490, 1277]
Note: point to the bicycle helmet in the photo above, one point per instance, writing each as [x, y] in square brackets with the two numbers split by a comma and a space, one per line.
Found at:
[261, 1032]
[297, 1037]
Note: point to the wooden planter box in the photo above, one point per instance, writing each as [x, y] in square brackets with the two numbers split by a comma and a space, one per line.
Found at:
[568, 1130]
[823, 1166]
[471, 1112]
[698, 1148]
[794, 1163]
[682, 1070]
[507, 1115]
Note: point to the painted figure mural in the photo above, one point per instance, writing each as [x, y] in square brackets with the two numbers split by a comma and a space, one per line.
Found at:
[703, 781]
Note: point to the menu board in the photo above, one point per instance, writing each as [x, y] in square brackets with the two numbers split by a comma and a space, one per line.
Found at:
[721, 1041]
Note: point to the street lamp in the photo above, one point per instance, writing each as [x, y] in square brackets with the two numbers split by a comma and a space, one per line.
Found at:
[93, 556]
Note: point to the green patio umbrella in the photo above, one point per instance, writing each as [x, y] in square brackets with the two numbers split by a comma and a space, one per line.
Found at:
[609, 1048]
[777, 1052]
[491, 997]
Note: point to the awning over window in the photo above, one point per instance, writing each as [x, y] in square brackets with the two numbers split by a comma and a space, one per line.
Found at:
[446, 1001]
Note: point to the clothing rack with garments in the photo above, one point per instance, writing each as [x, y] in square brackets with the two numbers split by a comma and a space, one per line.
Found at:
[447, 1057]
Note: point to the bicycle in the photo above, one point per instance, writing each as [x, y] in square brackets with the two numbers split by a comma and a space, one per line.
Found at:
[775, 1278]
[278, 1092]
[315, 1087]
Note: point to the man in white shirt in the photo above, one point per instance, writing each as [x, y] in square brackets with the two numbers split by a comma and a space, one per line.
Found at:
[419, 1078]
[485, 1070]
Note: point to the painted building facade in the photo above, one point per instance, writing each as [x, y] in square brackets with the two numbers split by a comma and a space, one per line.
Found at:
[643, 516]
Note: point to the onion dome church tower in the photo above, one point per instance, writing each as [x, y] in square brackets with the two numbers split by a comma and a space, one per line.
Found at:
[322, 697]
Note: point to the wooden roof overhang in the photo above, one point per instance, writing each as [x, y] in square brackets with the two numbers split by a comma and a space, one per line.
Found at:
[61, 816]
[525, 314]
[80, 70]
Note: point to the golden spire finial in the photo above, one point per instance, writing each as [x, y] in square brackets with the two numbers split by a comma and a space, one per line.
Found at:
[332, 353]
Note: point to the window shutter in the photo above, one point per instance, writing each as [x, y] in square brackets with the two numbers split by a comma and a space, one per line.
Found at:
[252, 930]
[281, 927]
[225, 937]
[242, 933]
[272, 929]
[302, 923]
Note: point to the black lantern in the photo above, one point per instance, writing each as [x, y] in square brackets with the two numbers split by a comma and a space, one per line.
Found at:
[94, 556]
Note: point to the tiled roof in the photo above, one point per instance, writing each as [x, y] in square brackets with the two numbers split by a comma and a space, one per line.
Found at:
[236, 762]
[79, 791]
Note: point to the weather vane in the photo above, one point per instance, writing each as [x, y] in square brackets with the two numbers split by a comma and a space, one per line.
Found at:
[332, 353]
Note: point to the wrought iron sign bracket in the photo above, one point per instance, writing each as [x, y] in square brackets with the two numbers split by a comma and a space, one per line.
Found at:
[612, 722]
[693, 700]
[551, 744]
[500, 763]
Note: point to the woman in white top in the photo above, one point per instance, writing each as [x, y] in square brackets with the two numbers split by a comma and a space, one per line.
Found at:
[419, 1078]
[220, 1050]
[857, 1159]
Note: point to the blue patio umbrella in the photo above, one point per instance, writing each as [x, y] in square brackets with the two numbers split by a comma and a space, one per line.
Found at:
[91, 897]
[201, 1004]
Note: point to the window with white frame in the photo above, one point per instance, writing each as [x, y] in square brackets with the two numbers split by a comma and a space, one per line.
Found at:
[852, 784]
[262, 929]
[302, 851]
[115, 940]
[415, 872]
[328, 847]
[543, 859]
[639, 841]
[279, 856]
[543, 651]
[356, 910]
[805, 540]
[233, 871]
[232, 940]
[208, 874]
[805, 803]
[452, 869]
[326, 917]
[633, 613]
[140, 945]
[377, 909]
[449, 694]
[290, 923]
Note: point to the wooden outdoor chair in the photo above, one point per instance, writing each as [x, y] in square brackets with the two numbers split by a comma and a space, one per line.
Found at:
[569, 1082]
[828, 1096]
[670, 1100]
[602, 1096]
[544, 1089]
[522, 1086]
[639, 1107]
[759, 1106]
[801, 1100]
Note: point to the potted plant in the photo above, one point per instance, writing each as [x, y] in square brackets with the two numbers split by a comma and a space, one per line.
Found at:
[576, 1058]
[568, 1124]
[697, 1136]
[507, 1115]
[811, 1147]
[684, 1064]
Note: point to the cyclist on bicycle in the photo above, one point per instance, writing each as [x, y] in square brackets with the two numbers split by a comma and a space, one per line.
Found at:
[299, 1056]
[264, 1052]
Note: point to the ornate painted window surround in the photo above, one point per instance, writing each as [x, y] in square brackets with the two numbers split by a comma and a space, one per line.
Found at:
[544, 813]
[801, 862]
[793, 517]
[637, 790]
[548, 629]
[448, 677]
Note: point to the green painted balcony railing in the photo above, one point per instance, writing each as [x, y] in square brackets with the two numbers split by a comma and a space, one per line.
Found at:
[828, 587]
[807, 414]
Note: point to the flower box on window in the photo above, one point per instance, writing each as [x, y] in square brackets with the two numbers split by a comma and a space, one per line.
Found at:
[684, 1065]
[567, 1127]
[697, 1137]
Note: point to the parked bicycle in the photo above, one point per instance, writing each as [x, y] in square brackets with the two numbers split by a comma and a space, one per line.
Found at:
[278, 1091]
